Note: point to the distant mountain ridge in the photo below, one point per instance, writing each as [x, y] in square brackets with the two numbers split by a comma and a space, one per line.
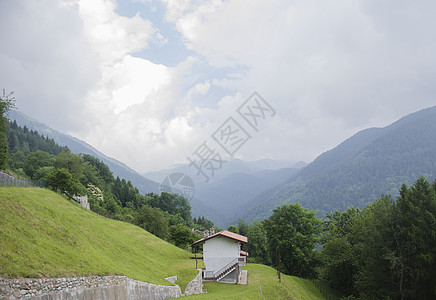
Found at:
[78, 146]
[231, 194]
[359, 170]
[231, 187]
[356, 172]
[236, 184]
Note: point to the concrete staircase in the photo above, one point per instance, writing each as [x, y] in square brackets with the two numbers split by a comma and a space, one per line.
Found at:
[224, 271]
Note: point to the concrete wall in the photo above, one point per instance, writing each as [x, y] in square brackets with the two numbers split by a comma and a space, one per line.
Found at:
[231, 277]
[92, 288]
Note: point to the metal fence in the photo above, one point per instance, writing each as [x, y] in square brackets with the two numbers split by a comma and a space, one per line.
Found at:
[10, 181]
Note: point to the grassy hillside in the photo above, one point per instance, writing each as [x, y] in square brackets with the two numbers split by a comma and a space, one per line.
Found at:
[262, 284]
[43, 234]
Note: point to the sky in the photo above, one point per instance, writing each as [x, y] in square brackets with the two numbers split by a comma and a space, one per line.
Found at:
[154, 83]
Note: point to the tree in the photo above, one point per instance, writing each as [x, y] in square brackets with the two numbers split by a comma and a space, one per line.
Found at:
[391, 248]
[375, 251]
[243, 227]
[36, 160]
[62, 180]
[233, 228]
[73, 163]
[43, 174]
[292, 233]
[257, 246]
[125, 192]
[203, 223]
[173, 204]
[175, 219]
[13, 142]
[337, 254]
[111, 207]
[7, 102]
[103, 170]
[182, 236]
[417, 227]
[153, 220]
[16, 160]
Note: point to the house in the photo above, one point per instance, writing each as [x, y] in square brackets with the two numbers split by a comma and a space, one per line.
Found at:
[204, 233]
[222, 256]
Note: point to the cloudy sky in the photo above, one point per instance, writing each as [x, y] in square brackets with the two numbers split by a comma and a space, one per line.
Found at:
[149, 81]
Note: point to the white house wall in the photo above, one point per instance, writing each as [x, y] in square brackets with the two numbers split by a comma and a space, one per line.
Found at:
[218, 252]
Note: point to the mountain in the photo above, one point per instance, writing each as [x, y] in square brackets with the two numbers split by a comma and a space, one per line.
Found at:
[228, 196]
[230, 166]
[235, 184]
[231, 187]
[270, 164]
[77, 146]
[372, 162]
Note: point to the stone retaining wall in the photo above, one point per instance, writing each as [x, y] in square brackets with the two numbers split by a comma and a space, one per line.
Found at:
[195, 286]
[95, 288]
[82, 200]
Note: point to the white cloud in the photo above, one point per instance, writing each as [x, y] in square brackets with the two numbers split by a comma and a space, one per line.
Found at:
[328, 68]
[154, 132]
[176, 8]
[132, 80]
[110, 35]
[332, 67]
[46, 60]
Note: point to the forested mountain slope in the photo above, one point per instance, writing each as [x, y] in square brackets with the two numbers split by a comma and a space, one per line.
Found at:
[372, 162]
[77, 146]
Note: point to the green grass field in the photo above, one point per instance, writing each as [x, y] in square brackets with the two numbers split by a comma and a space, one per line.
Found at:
[42, 234]
[262, 284]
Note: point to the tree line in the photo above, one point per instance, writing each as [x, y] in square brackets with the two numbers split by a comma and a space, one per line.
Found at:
[386, 250]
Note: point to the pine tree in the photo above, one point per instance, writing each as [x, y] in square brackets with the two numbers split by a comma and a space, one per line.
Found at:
[6, 103]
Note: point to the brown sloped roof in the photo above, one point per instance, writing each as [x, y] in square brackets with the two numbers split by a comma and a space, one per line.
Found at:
[227, 234]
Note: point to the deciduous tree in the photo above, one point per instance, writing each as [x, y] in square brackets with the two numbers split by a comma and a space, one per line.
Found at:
[62, 180]
[72, 162]
[36, 160]
[182, 236]
[292, 233]
[337, 254]
[257, 246]
[153, 220]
